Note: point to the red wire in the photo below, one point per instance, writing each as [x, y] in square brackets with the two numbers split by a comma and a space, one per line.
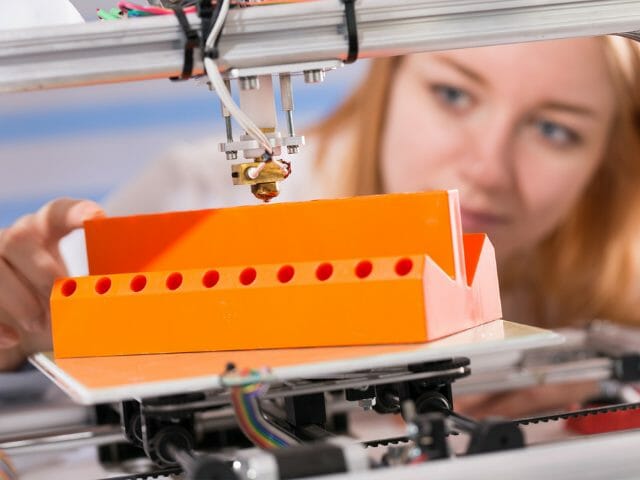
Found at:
[236, 396]
[123, 5]
[153, 10]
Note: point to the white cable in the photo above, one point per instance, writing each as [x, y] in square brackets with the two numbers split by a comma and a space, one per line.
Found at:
[221, 89]
[217, 26]
[254, 172]
[225, 97]
[283, 166]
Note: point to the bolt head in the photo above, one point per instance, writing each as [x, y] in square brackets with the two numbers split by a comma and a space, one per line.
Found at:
[249, 83]
[367, 403]
[314, 76]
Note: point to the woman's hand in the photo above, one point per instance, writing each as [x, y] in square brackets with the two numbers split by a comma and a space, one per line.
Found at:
[29, 263]
[528, 401]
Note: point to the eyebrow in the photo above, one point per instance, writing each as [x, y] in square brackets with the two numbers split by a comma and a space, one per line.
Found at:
[569, 108]
[550, 105]
[464, 70]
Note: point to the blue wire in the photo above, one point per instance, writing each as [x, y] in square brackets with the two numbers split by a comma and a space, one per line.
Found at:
[256, 422]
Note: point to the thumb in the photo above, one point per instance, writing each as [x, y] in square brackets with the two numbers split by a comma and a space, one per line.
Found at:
[61, 216]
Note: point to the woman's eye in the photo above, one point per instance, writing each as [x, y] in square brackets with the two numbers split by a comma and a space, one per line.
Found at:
[556, 133]
[452, 96]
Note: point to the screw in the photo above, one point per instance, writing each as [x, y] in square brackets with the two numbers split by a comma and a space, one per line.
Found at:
[249, 83]
[367, 403]
[313, 76]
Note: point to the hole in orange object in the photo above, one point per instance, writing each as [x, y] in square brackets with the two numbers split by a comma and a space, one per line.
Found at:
[404, 266]
[138, 283]
[324, 271]
[174, 281]
[103, 285]
[285, 274]
[210, 278]
[248, 276]
[363, 269]
[68, 287]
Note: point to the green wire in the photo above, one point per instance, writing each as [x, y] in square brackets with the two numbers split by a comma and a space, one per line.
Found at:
[248, 412]
[112, 14]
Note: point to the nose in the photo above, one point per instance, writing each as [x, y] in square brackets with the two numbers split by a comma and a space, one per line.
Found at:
[490, 160]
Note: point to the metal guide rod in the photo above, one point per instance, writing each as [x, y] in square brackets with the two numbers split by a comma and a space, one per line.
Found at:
[48, 441]
[134, 49]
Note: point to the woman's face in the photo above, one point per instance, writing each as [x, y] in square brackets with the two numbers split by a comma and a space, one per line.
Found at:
[519, 130]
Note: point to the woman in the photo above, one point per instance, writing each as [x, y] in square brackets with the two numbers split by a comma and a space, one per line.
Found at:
[543, 143]
[541, 140]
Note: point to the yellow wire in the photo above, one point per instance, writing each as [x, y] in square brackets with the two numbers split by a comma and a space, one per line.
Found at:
[12, 474]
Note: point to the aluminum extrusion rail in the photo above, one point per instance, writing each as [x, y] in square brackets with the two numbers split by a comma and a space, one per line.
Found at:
[593, 369]
[289, 35]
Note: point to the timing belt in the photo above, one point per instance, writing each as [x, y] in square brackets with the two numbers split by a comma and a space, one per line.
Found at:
[399, 440]
[529, 420]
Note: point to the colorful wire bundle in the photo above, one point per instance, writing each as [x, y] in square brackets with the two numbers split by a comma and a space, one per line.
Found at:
[128, 7]
[252, 421]
[131, 9]
[7, 470]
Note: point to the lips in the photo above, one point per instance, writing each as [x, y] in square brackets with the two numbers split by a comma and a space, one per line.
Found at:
[481, 220]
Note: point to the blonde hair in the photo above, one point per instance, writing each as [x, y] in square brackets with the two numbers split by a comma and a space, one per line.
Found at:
[588, 267]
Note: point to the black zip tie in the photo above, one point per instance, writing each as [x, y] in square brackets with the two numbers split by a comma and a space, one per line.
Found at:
[192, 40]
[266, 156]
[205, 12]
[352, 30]
[208, 15]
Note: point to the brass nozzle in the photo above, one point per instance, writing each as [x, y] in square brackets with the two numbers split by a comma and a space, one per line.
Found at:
[264, 184]
[265, 191]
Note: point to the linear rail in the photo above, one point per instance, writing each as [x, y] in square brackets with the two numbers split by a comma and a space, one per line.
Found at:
[277, 35]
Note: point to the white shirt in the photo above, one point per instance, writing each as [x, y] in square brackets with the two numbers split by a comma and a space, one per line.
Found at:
[37, 13]
[198, 176]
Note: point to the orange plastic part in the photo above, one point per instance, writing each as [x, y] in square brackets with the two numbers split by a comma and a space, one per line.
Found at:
[248, 308]
[395, 290]
[362, 227]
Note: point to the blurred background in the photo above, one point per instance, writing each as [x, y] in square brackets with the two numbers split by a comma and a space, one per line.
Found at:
[86, 141]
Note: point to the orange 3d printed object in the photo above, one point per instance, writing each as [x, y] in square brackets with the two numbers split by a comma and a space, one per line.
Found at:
[369, 270]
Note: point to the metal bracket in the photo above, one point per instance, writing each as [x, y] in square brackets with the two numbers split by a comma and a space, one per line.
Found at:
[292, 68]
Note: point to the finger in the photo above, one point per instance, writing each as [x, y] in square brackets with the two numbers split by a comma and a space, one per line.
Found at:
[11, 358]
[525, 402]
[34, 265]
[44, 321]
[546, 398]
[59, 217]
[9, 337]
[535, 400]
[488, 405]
[465, 403]
[509, 404]
[36, 342]
[18, 300]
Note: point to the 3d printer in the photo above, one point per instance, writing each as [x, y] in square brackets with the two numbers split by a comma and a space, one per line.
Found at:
[164, 419]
